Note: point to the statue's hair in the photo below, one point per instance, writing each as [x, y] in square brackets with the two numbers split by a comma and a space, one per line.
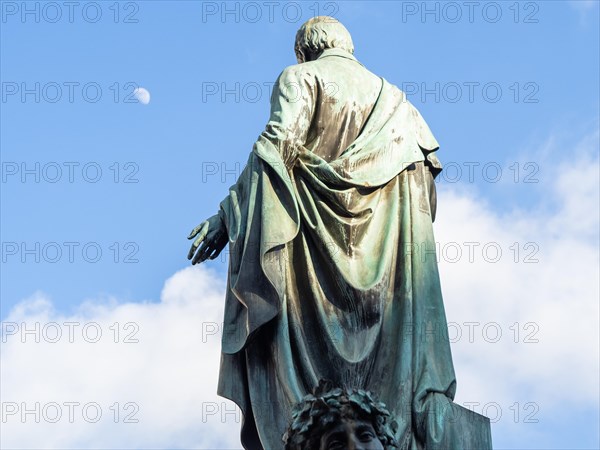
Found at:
[319, 33]
[328, 406]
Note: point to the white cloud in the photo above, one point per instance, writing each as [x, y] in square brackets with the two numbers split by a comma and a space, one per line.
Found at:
[553, 301]
[171, 374]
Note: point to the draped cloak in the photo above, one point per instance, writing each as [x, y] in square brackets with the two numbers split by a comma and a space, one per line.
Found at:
[332, 271]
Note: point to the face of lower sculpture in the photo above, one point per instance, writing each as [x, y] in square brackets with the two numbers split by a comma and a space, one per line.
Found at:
[351, 435]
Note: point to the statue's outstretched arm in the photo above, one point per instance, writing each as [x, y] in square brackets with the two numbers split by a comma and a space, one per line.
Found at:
[292, 105]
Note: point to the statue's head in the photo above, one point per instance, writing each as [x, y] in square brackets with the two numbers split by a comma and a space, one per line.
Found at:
[318, 34]
[340, 419]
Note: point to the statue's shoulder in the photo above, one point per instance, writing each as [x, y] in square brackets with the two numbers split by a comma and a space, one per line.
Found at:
[396, 98]
[297, 70]
[293, 74]
[395, 92]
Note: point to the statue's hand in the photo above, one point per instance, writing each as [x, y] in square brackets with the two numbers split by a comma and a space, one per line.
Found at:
[212, 234]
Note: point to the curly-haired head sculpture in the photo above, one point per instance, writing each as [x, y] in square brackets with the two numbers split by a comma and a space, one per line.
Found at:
[340, 419]
[318, 34]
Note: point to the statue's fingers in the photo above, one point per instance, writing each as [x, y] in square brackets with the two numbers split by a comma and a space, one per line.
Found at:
[206, 251]
[192, 250]
[196, 230]
[214, 254]
[199, 257]
[201, 237]
[196, 244]
[196, 258]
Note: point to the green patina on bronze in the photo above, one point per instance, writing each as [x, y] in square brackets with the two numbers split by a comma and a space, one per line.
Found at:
[332, 418]
[333, 272]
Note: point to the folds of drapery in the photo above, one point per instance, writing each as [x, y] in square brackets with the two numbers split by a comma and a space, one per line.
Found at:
[333, 275]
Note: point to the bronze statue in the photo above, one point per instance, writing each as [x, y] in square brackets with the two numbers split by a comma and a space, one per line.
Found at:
[332, 418]
[332, 270]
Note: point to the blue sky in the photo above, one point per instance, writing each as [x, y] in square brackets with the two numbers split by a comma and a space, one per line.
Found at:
[509, 89]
